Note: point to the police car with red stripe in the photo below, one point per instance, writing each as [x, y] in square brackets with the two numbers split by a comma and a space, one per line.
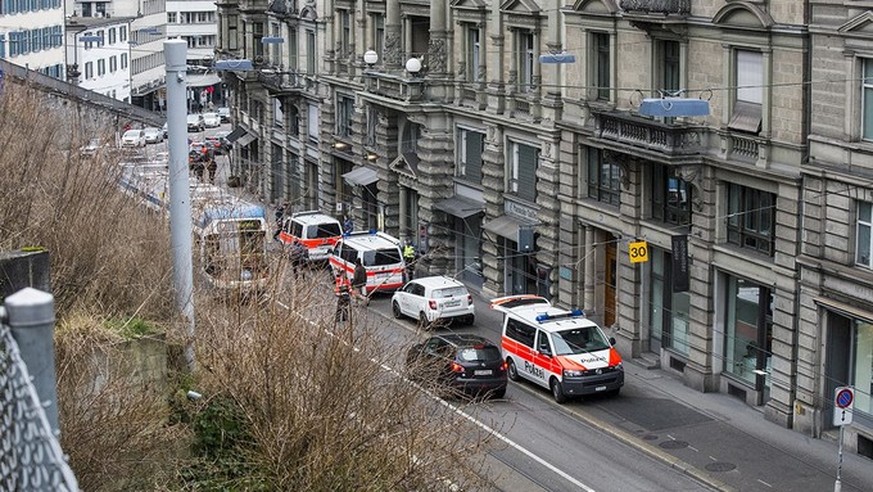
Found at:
[557, 349]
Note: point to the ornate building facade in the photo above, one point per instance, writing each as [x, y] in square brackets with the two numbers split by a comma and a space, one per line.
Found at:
[436, 121]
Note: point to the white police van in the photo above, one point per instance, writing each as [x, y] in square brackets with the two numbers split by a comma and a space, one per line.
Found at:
[380, 255]
[557, 349]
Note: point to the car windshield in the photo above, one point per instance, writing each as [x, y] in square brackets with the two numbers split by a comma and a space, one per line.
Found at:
[382, 257]
[193, 118]
[479, 353]
[450, 292]
[323, 231]
[131, 133]
[579, 340]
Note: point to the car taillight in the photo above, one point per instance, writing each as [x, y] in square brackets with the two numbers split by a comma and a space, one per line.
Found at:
[431, 304]
[455, 367]
[504, 366]
[469, 299]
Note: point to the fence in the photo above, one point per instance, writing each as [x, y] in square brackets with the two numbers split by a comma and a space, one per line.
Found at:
[31, 458]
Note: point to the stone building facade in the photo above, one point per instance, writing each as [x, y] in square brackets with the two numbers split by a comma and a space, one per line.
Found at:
[438, 123]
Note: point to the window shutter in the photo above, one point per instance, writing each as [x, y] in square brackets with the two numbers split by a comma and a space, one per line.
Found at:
[527, 168]
[473, 165]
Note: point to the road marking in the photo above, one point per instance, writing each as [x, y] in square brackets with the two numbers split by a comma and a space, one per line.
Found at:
[765, 483]
[713, 459]
[478, 423]
[693, 448]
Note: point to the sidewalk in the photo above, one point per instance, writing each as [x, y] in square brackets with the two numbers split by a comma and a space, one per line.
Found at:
[714, 437]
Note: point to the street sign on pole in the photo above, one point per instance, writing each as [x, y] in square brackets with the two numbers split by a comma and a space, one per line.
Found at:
[844, 403]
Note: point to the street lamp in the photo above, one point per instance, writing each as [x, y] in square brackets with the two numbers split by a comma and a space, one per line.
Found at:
[371, 57]
[413, 66]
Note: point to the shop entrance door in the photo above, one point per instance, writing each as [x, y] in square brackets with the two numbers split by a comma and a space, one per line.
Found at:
[610, 284]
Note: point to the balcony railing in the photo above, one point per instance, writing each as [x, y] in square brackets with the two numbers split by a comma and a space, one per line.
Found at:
[282, 82]
[680, 7]
[675, 139]
[395, 86]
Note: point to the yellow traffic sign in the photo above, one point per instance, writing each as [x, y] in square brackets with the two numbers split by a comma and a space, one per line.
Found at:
[638, 252]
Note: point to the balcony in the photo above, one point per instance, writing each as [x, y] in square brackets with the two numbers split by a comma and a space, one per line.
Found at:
[410, 90]
[672, 140]
[278, 82]
[656, 7]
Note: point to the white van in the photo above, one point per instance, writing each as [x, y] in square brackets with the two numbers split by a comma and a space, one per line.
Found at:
[318, 232]
[557, 349]
[380, 255]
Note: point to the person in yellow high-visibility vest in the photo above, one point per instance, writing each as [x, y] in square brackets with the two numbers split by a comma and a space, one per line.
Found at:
[409, 258]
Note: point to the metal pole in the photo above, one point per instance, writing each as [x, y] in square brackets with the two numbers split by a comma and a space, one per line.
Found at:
[31, 315]
[175, 53]
[838, 485]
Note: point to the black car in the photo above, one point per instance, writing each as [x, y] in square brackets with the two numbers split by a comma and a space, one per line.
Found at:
[467, 363]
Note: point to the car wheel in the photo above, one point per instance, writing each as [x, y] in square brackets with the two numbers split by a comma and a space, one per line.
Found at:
[512, 370]
[499, 393]
[614, 392]
[395, 308]
[558, 391]
[422, 321]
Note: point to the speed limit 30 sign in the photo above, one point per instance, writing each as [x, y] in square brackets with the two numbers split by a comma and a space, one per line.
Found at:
[638, 251]
[844, 403]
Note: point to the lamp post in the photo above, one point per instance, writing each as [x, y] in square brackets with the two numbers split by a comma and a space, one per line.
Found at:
[175, 54]
[413, 66]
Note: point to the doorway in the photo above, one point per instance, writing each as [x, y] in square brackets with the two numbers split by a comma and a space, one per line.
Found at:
[609, 284]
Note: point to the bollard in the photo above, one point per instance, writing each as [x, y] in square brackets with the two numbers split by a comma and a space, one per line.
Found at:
[31, 315]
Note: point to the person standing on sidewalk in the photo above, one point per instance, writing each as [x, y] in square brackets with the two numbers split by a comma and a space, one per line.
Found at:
[409, 259]
[359, 280]
[343, 298]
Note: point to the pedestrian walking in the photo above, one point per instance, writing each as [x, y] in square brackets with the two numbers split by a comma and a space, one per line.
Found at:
[343, 298]
[280, 215]
[359, 281]
[299, 256]
[348, 225]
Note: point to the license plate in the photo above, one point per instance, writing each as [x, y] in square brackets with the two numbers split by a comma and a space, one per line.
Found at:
[600, 388]
[482, 372]
[452, 304]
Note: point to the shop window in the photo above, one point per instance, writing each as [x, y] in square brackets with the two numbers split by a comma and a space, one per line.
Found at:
[748, 331]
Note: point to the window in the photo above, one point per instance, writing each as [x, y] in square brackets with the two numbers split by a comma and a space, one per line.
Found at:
[520, 332]
[310, 52]
[172, 17]
[473, 53]
[372, 122]
[101, 67]
[345, 109]
[124, 61]
[89, 70]
[292, 49]
[102, 39]
[411, 135]
[379, 35]
[409, 213]
[600, 69]
[864, 241]
[751, 215]
[867, 97]
[112, 36]
[345, 31]
[232, 43]
[670, 64]
[668, 310]
[278, 115]
[522, 175]
[2, 45]
[748, 330]
[257, 35]
[604, 178]
[749, 82]
[671, 196]
[525, 60]
[113, 63]
[122, 34]
[470, 147]
[313, 123]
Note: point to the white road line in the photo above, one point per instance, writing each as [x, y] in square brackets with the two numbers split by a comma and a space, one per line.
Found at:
[713, 459]
[693, 448]
[474, 420]
[765, 483]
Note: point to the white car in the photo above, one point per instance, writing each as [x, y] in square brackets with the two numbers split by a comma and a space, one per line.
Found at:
[224, 114]
[133, 138]
[432, 299]
[154, 135]
[92, 147]
[195, 123]
[211, 120]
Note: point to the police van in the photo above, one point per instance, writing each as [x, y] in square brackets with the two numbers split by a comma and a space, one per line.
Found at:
[316, 231]
[380, 255]
[557, 349]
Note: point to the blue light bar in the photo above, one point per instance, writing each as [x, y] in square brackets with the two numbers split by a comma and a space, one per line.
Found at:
[559, 58]
[577, 312]
[240, 65]
[543, 317]
[272, 40]
[674, 106]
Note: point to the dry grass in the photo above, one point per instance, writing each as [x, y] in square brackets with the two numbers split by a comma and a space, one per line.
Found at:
[288, 403]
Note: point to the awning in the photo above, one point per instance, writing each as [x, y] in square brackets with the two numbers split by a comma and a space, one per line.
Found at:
[361, 176]
[204, 80]
[235, 134]
[246, 139]
[507, 226]
[459, 206]
[844, 309]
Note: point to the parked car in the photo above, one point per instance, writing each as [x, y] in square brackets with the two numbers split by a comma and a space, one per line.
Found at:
[133, 138]
[196, 123]
[92, 147]
[224, 114]
[211, 120]
[465, 363]
[434, 299]
[154, 135]
[218, 143]
[165, 130]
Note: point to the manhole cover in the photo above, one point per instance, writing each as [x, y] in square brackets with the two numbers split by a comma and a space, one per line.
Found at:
[650, 437]
[673, 444]
[720, 466]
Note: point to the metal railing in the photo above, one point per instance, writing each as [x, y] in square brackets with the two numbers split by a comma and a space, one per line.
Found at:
[31, 458]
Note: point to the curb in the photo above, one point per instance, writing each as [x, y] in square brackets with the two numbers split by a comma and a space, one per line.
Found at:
[622, 436]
